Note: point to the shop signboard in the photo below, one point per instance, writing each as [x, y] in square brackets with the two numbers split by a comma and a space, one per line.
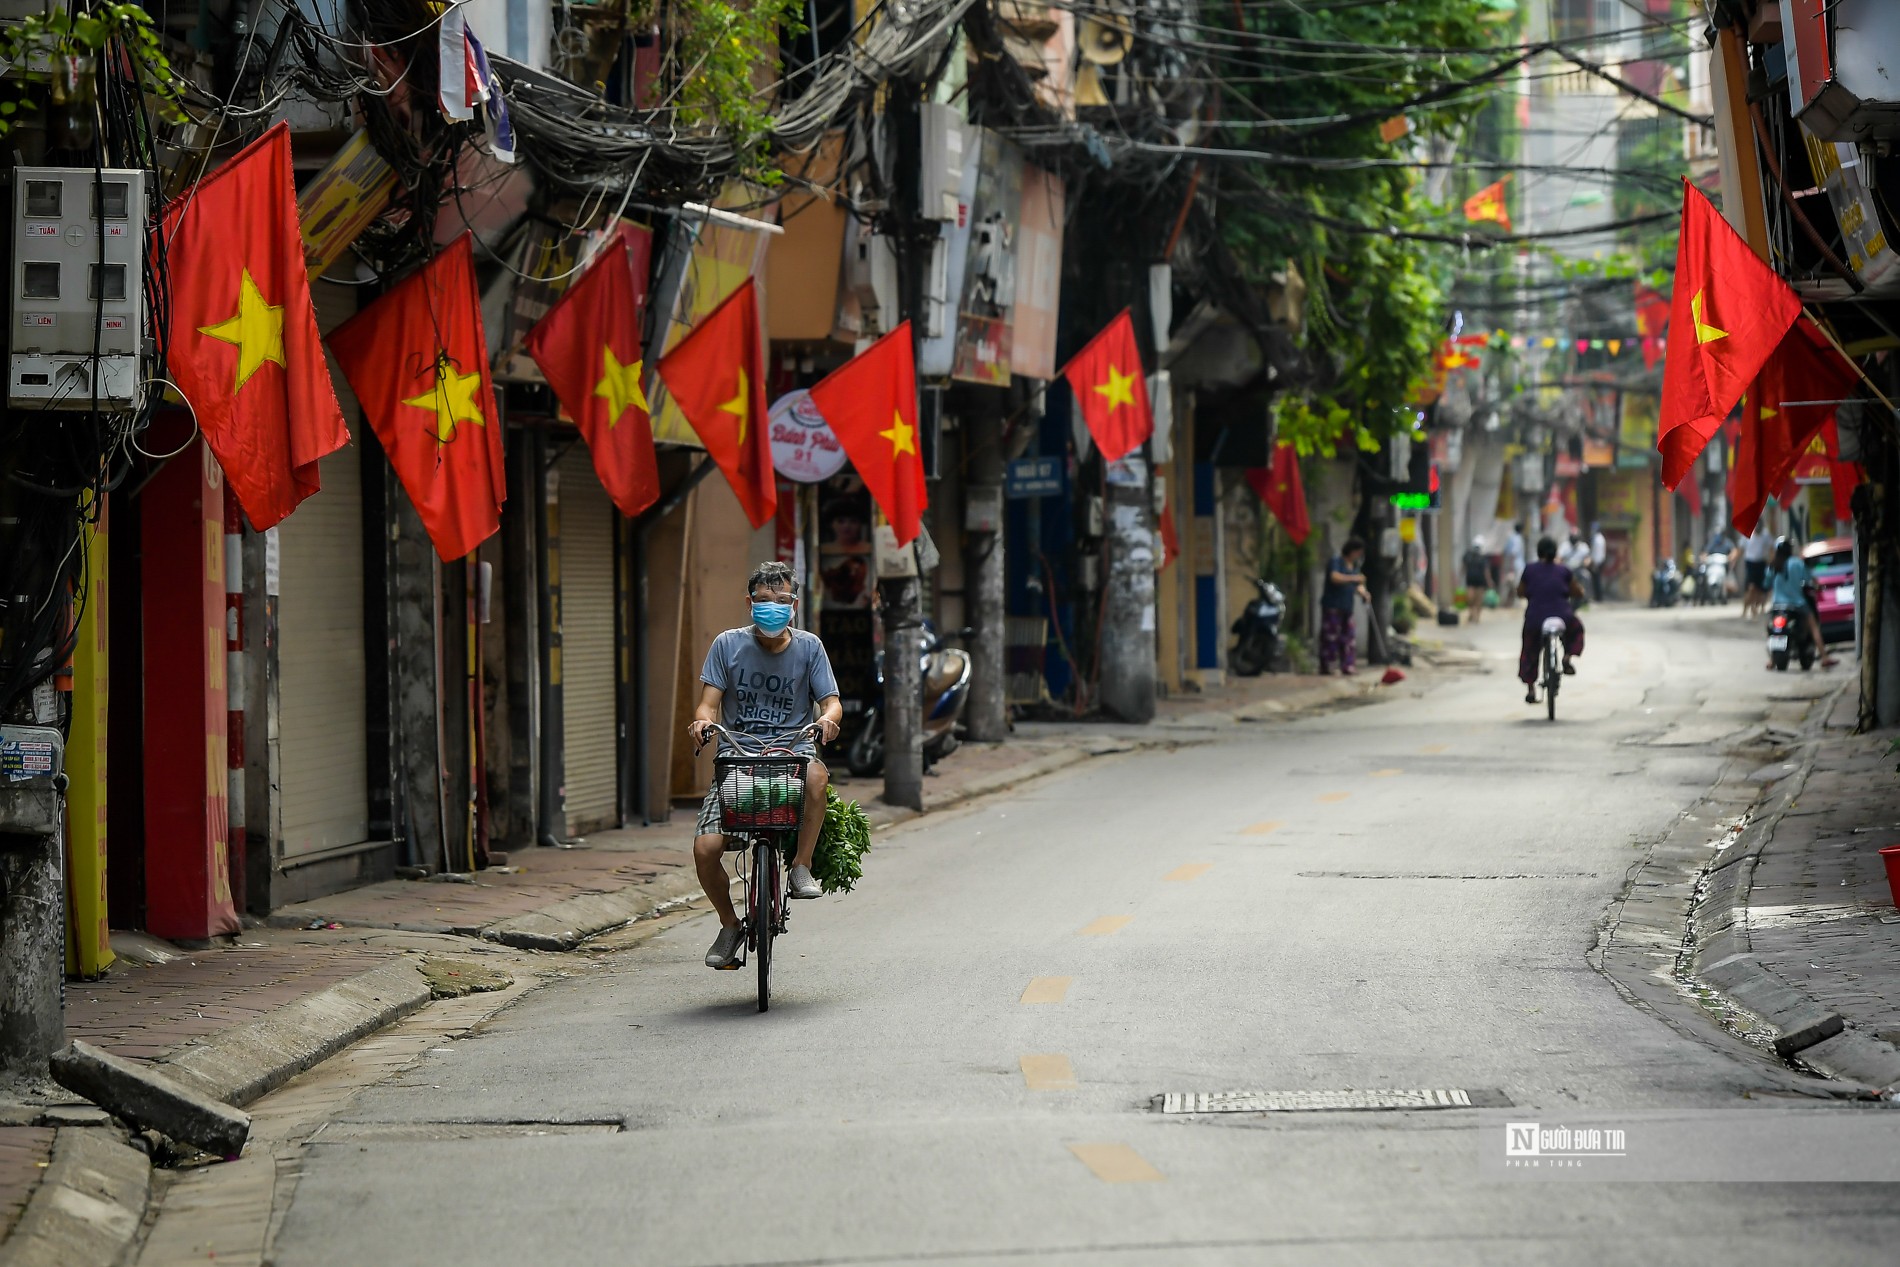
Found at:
[804, 449]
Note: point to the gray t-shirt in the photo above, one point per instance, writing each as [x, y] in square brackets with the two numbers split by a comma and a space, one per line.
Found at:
[767, 694]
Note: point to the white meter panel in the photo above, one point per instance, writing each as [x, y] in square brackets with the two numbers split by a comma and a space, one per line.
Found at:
[78, 247]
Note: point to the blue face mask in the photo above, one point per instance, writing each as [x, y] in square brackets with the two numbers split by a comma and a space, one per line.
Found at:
[771, 618]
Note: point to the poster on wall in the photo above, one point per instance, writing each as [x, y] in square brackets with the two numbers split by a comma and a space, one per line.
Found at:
[1038, 275]
[989, 273]
[844, 542]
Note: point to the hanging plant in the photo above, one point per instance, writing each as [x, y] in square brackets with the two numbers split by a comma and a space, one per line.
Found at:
[57, 52]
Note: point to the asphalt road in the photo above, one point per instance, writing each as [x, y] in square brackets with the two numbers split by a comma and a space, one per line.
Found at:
[961, 1057]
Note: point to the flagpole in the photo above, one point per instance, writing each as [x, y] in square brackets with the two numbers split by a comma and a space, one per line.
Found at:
[1836, 344]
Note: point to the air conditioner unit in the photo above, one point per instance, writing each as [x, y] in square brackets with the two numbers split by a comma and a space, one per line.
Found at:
[78, 312]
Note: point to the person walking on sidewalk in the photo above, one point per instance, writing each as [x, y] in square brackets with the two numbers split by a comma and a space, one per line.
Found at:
[1478, 578]
[1344, 583]
[1599, 559]
[1511, 572]
[1755, 552]
[764, 679]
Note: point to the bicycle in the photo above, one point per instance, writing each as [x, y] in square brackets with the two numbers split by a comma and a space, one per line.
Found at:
[761, 785]
[1553, 662]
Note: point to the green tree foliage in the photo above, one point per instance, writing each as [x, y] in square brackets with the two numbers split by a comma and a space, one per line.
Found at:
[722, 77]
[1375, 303]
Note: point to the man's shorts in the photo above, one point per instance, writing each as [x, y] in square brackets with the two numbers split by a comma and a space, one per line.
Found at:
[1757, 572]
[708, 822]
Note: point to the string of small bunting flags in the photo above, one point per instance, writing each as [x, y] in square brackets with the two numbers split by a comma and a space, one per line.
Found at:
[1466, 351]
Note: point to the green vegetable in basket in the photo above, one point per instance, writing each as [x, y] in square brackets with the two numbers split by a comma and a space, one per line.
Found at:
[838, 863]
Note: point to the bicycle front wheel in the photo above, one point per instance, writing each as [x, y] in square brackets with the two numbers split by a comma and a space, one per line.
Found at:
[766, 886]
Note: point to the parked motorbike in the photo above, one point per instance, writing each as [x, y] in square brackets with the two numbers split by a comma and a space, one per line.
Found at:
[1711, 580]
[1665, 585]
[1257, 642]
[946, 676]
[1789, 637]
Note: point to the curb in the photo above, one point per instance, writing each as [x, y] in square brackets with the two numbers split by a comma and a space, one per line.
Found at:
[565, 924]
[1720, 957]
[239, 1064]
[89, 1206]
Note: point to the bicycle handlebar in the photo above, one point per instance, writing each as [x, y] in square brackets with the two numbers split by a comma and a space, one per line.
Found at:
[754, 745]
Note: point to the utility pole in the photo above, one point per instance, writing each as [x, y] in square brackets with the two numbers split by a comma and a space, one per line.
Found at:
[1128, 619]
[988, 713]
[900, 598]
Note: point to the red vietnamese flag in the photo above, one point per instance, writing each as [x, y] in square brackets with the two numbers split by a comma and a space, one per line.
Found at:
[244, 348]
[1488, 204]
[1775, 434]
[870, 403]
[588, 345]
[1729, 314]
[1110, 391]
[717, 377]
[1844, 477]
[418, 361]
[1284, 493]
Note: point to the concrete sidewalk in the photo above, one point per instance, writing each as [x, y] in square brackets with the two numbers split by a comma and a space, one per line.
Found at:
[1811, 921]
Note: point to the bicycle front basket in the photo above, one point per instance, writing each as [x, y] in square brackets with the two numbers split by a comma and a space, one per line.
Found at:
[760, 793]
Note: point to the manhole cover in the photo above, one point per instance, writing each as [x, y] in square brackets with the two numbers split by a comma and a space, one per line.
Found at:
[1307, 1101]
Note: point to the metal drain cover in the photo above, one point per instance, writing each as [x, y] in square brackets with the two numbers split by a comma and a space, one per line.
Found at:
[1307, 1101]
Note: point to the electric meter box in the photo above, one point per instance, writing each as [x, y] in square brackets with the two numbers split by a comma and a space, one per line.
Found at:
[78, 281]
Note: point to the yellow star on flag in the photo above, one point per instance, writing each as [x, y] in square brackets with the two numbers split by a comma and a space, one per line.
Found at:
[1704, 333]
[257, 331]
[452, 399]
[902, 435]
[1119, 389]
[620, 386]
[740, 406]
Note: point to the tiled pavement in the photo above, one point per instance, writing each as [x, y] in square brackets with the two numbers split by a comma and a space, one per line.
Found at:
[142, 1011]
[24, 1152]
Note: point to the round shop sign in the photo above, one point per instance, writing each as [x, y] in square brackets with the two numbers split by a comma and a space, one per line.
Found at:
[803, 446]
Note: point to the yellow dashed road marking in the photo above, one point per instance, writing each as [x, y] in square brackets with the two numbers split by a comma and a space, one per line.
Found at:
[1116, 1163]
[1261, 829]
[1046, 990]
[1333, 798]
[1433, 749]
[1386, 774]
[1106, 925]
[1189, 872]
[1048, 1073]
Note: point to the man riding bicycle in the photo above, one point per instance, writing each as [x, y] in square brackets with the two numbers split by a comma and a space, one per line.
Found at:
[763, 680]
[1548, 587]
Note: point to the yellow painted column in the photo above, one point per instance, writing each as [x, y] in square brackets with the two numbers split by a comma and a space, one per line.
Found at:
[88, 945]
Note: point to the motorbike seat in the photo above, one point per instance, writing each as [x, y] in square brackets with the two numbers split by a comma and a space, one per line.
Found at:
[948, 668]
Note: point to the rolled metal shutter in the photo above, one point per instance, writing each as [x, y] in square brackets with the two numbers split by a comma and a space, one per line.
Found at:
[588, 704]
[323, 683]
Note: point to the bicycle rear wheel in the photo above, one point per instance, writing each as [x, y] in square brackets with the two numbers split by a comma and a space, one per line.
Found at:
[764, 913]
[1553, 674]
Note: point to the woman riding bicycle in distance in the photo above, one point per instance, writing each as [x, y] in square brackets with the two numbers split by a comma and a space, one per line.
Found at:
[1548, 588]
[763, 679]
